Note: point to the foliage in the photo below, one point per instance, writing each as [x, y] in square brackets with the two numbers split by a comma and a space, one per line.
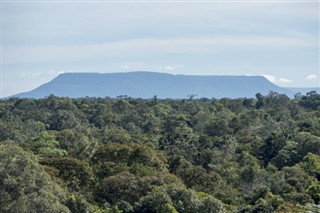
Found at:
[151, 155]
[25, 186]
[45, 144]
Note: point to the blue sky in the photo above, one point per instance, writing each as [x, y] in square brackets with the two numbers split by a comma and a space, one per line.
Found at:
[279, 40]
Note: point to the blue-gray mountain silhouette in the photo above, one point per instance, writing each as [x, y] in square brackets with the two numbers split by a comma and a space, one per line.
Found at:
[303, 90]
[150, 84]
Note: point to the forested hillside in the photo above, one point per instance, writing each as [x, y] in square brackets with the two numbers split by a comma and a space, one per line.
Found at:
[166, 156]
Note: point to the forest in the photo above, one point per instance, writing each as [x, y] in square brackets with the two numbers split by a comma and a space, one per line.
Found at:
[129, 155]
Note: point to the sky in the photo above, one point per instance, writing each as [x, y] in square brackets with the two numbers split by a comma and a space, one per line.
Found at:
[42, 39]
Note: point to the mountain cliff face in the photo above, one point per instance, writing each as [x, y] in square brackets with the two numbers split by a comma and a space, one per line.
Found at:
[149, 84]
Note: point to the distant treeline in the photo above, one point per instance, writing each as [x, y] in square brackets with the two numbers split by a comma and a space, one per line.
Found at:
[163, 156]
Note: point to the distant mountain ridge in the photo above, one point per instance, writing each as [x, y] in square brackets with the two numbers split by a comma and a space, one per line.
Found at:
[143, 84]
[303, 90]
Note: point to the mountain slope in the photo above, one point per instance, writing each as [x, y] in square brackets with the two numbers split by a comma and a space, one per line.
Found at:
[303, 90]
[149, 84]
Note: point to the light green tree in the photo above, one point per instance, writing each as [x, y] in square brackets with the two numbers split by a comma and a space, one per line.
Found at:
[24, 185]
[45, 145]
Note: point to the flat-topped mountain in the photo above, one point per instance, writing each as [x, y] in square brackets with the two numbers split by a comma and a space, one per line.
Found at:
[149, 84]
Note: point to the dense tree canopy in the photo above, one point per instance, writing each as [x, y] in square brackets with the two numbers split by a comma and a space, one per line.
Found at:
[166, 156]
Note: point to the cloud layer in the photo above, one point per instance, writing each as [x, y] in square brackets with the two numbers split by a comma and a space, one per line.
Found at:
[274, 79]
[123, 48]
[312, 77]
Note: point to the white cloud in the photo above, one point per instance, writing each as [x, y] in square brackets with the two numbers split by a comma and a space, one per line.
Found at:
[270, 78]
[133, 66]
[170, 68]
[125, 67]
[312, 77]
[274, 79]
[173, 67]
[284, 80]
